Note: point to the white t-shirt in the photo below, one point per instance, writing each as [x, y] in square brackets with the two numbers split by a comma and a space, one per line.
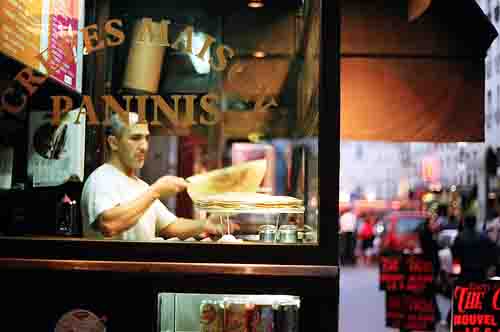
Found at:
[108, 187]
[347, 222]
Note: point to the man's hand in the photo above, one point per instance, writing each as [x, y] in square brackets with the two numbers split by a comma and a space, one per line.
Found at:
[214, 226]
[169, 185]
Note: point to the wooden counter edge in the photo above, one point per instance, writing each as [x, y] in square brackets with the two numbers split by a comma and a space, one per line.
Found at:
[170, 267]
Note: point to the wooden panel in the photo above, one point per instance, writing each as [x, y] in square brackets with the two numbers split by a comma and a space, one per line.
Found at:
[269, 30]
[412, 99]
[250, 78]
[165, 267]
[417, 8]
[382, 27]
[238, 124]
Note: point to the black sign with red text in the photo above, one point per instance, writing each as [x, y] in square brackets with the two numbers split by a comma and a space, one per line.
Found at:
[409, 311]
[405, 273]
[407, 280]
[476, 307]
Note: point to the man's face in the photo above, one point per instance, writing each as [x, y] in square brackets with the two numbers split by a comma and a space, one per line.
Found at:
[133, 145]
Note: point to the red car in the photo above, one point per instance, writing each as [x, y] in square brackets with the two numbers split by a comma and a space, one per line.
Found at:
[400, 230]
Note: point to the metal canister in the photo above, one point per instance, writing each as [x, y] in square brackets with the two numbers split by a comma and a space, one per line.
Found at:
[267, 233]
[211, 316]
[288, 234]
[235, 316]
[263, 319]
[287, 318]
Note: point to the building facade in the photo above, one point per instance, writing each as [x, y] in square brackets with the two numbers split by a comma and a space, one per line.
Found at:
[387, 170]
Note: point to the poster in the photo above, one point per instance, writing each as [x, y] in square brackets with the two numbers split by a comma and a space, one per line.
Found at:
[55, 153]
[31, 27]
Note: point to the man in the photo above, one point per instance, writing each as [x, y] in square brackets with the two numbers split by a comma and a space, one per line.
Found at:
[117, 204]
[347, 227]
[492, 229]
[475, 252]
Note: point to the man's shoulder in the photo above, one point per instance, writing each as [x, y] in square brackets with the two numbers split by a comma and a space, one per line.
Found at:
[105, 170]
[102, 174]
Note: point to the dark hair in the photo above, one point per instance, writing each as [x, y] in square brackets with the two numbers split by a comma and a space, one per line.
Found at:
[469, 221]
[442, 210]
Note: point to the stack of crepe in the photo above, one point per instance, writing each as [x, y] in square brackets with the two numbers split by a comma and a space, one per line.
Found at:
[248, 201]
[235, 188]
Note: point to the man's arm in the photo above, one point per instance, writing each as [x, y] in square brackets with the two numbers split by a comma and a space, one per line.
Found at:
[123, 217]
[185, 228]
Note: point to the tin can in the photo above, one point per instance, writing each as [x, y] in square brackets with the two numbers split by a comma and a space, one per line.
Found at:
[288, 234]
[235, 316]
[267, 233]
[263, 319]
[287, 318]
[211, 319]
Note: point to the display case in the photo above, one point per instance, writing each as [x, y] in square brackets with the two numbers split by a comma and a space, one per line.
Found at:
[220, 85]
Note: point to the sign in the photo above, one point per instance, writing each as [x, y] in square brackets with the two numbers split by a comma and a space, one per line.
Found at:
[30, 28]
[413, 312]
[407, 280]
[405, 273]
[476, 307]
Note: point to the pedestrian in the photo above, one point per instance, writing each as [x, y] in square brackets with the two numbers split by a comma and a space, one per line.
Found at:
[475, 252]
[366, 236]
[492, 230]
[347, 238]
[430, 251]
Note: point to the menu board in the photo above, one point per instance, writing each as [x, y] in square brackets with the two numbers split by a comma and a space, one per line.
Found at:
[408, 281]
[413, 312]
[29, 28]
[412, 273]
[476, 307]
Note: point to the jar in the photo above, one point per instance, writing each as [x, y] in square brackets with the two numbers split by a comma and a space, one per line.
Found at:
[288, 234]
[267, 233]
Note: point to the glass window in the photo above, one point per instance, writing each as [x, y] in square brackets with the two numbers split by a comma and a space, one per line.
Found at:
[171, 121]
[408, 224]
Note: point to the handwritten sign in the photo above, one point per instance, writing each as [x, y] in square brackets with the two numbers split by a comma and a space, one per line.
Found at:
[476, 307]
[407, 280]
[410, 311]
[405, 273]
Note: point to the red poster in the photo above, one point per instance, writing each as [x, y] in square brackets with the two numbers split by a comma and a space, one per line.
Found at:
[63, 27]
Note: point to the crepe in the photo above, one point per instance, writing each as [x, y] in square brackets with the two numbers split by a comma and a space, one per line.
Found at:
[245, 177]
[248, 201]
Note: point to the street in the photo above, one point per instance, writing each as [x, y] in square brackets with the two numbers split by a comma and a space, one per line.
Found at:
[362, 306]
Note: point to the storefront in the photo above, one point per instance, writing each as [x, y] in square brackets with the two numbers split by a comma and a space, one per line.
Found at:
[231, 91]
[220, 86]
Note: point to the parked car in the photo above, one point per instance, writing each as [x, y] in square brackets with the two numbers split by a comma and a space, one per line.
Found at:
[399, 232]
